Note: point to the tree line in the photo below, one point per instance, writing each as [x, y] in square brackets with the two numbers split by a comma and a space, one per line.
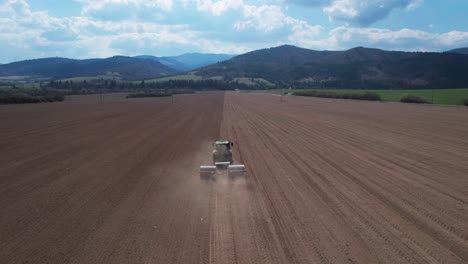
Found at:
[95, 86]
[56, 90]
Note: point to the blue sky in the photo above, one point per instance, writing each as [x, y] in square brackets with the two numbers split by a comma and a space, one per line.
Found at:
[102, 28]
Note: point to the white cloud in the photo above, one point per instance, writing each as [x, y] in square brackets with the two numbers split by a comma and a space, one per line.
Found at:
[380, 36]
[92, 5]
[263, 18]
[358, 12]
[218, 7]
[302, 32]
[221, 26]
[306, 2]
[118, 10]
[30, 34]
[453, 39]
[405, 39]
[366, 12]
[19, 12]
[270, 17]
[22, 30]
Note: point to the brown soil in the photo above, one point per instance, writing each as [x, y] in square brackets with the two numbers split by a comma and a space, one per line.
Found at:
[328, 181]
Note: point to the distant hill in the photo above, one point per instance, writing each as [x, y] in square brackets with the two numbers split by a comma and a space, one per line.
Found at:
[460, 50]
[175, 65]
[356, 67]
[58, 68]
[265, 63]
[189, 61]
[285, 65]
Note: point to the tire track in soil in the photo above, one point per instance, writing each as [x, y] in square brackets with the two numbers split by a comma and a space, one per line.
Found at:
[133, 194]
[329, 181]
[430, 218]
[344, 193]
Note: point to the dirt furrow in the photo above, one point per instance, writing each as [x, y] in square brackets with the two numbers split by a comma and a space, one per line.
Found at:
[304, 145]
[328, 181]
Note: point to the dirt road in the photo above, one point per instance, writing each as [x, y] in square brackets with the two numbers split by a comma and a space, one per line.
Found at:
[328, 182]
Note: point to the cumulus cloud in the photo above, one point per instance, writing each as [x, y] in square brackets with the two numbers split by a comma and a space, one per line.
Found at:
[267, 18]
[116, 10]
[264, 18]
[91, 5]
[302, 32]
[358, 12]
[354, 12]
[30, 34]
[218, 7]
[366, 12]
[19, 12]
[382, 37]
[172, 27]
[453, 39]
[23, 33]
[203, 15]
[307, 2]
[405, 39]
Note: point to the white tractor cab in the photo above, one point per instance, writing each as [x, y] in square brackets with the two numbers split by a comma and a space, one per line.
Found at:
[222, 153]
[222, 161]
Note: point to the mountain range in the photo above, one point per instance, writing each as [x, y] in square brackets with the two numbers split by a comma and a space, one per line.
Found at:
[460, 50]
[189, 61]
[60, 68]
[288, 65]
[128, 68]
[351, 68]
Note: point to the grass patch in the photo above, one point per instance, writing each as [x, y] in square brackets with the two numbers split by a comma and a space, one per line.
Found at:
[24, 98]
[440, 96]
[216, 78]
[369, 96]
[465, 101]
[108, 76]
[413, 99]
[148, 94]
[254, 81]
[159, 93]
[184, 77]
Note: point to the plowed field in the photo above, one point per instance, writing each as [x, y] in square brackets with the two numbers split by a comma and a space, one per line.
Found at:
[116, 181]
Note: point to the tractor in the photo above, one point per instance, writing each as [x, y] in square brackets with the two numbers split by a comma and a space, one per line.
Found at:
[222, 162]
